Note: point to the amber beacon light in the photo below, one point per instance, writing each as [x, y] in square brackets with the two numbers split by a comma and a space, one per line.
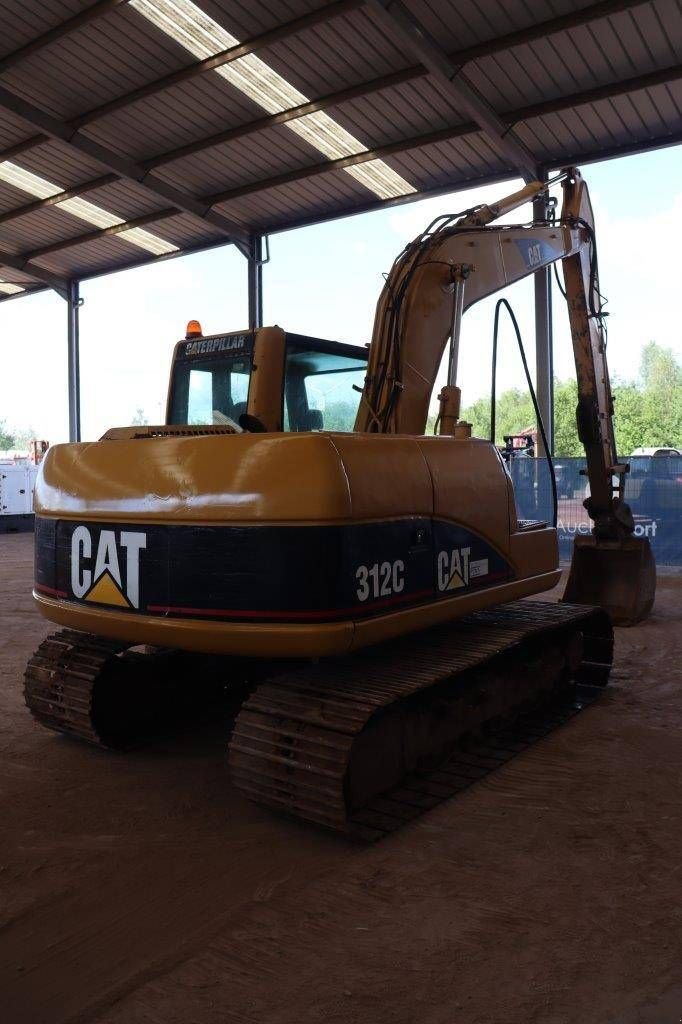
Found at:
[193, 329]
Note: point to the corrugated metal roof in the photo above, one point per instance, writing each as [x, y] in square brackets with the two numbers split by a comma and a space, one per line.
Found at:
[571, 79]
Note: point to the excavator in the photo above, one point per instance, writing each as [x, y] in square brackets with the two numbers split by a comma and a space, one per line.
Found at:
[292, 529]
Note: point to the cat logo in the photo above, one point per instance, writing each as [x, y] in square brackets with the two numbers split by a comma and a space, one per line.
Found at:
[534, 251]
[456, 569]
[102, 584]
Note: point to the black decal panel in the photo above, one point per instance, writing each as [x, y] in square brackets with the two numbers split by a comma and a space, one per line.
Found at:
[464, 561]
[263, 573]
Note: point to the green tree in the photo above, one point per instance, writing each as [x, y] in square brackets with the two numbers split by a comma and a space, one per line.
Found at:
[478, 415]
[647, 412]
[514, 413]
[566, 442]
[23, 438]
[339, 415]
[661, 375]
[629, 418]
[6, 439]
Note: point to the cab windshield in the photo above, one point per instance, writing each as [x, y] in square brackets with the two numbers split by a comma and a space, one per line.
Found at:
[211, 390]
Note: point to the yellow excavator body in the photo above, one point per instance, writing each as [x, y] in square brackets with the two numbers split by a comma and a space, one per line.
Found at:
[358, 577]
[279, 545]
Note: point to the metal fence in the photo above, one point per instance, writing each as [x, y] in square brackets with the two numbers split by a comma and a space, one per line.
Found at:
[653, 491]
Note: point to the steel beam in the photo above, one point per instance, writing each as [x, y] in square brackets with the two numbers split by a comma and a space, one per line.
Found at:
[542, 29]
[121, 166]
[59, 197]
[544, 346]
[610, 90]
[94, 236]
[73, 304]
[18, 262]
[518, 38]
[335, 99]
[218, 60]
[445, 134]
[442, 189]
[90, 14]
[613, 152]
[259, 42]
[312, 170]
[255, 282]
[539, 31]
[260, 124]
[458, 57]
[458, 185]
[403, 24]
[454, 132]
[391, 149]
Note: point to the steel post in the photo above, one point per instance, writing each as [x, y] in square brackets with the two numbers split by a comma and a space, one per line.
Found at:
[544, 355]
[73, 304]
[255, 281]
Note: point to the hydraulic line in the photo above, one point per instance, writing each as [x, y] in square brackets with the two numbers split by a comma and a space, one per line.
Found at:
[493, 395]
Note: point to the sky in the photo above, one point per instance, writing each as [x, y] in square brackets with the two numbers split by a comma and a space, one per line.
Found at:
[324, 281]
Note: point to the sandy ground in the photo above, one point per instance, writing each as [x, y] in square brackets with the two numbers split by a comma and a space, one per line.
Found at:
[141, 889]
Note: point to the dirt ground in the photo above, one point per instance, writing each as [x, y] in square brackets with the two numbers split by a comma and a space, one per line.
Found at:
[140, 888]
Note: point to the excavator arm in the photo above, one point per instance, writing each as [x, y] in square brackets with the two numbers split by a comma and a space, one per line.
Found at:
[456, 262]
[594, 413]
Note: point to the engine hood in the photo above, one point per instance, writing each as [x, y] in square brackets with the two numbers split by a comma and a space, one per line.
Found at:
[214, 477]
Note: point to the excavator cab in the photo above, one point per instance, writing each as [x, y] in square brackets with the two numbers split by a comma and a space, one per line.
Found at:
[265, 380]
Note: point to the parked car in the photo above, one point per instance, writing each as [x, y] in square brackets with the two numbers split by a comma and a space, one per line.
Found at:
[654, 481]
[656, 452]
[565, 476]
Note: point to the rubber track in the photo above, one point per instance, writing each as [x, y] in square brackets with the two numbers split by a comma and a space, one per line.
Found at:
[59, 681]
[423, 791]
[292, 740]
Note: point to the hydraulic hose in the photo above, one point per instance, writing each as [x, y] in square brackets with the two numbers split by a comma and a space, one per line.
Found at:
[493, 396]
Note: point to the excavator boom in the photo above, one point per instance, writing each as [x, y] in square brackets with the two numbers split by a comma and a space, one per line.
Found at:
[456, 262]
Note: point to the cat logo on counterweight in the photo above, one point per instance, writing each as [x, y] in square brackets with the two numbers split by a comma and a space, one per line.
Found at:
[98, 576]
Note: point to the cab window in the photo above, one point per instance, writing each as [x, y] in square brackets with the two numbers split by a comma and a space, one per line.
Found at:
[319, 389]
[210, 391]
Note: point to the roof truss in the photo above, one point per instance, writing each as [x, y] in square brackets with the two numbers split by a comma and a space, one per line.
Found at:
[122, 167]
[86, 17]
[457, 59]
[446, 68]
[60, 284]
[403, 24]
[446, 134]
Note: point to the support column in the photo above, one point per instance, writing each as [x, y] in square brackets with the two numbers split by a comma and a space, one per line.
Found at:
[544, 354]
[255, 281]
[73, 304]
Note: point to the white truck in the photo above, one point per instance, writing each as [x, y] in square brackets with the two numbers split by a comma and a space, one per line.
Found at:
[17, 479]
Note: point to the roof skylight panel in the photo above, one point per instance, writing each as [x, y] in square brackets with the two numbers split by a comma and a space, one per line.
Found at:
[10, 289]
[39, 187]
[198, 33]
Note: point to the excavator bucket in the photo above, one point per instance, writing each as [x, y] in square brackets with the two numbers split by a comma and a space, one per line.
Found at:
[620, 576]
